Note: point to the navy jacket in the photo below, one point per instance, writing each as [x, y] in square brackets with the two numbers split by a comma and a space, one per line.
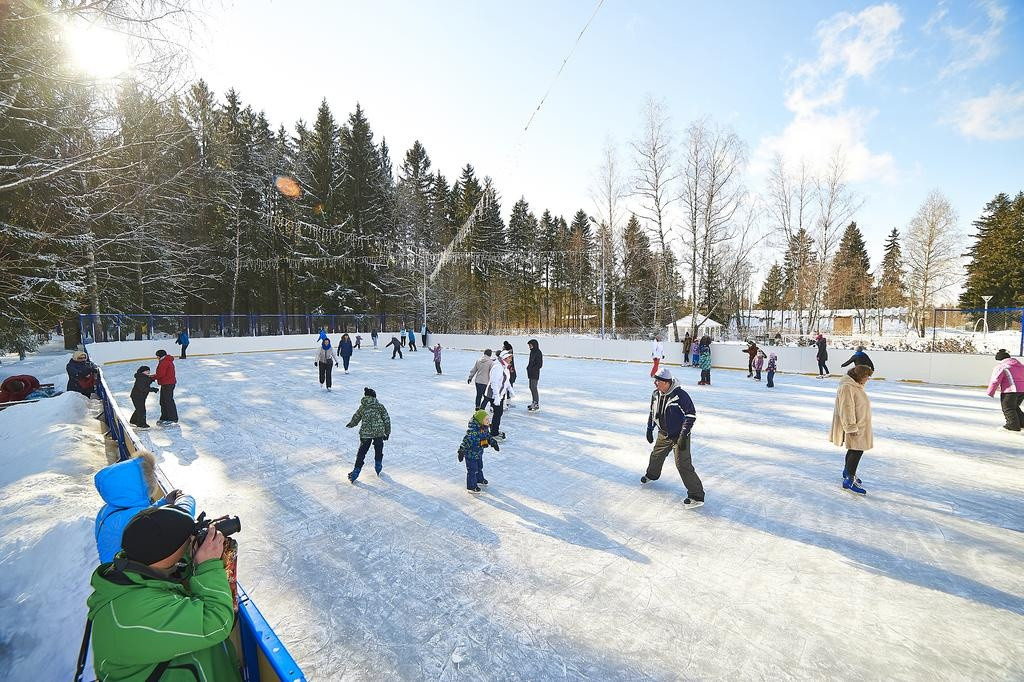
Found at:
[672, 412]
[143, 386]
[860, 358]
[345, 349]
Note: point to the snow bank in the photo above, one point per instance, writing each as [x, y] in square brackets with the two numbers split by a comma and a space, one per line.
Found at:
[50, 451]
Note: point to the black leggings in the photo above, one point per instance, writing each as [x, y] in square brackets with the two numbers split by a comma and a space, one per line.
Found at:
[822, 368]
[852, 460]
[364, 447]
[325, 372]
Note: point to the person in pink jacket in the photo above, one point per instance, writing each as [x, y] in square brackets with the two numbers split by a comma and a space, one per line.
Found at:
[1008, 377]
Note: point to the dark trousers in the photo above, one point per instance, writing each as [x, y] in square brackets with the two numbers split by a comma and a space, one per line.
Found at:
[344, 361]
[480, 401]
[437, 366]
[402, 340]
[852, 460]
[533, 391]
[705, 376]
[325, 372]
[499, 409]
[139, 415]
[684, 463]
[423, 337]
[822, 367]
[1011, 403]
[397, 351]
[183, 347]
[364, 447]
[168, 410]
[412, 343]
[771, 379]
[474, 472]
[750, 366]
[757, 373]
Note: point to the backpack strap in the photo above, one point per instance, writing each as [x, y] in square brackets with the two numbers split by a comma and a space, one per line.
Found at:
[84, 651]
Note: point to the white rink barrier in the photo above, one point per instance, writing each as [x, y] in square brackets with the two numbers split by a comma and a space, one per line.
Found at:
[934, 368]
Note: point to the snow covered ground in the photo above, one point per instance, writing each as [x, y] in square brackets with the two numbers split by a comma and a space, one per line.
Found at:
[567, 568]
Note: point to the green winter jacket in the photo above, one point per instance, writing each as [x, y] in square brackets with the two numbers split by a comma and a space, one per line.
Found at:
[375, 419]
[141, 621]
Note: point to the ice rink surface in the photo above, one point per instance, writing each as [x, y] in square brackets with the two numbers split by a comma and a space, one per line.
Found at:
[566, 567]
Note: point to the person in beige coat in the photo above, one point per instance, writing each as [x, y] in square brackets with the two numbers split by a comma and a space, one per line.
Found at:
[851, 423]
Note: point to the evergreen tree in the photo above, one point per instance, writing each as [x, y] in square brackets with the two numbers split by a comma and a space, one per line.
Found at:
[892, 291]
[638, 278]
[798, 267]
[850, 283]
[773, 292]
[996, 268]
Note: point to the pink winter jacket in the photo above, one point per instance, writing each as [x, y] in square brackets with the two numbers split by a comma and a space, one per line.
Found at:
[1008, 377]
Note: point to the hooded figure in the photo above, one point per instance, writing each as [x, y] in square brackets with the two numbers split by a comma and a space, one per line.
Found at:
[81, 374]
[533, 366]
[860, 358]
[126, 489]
[773, 360]
[374, 427]
[140, 391]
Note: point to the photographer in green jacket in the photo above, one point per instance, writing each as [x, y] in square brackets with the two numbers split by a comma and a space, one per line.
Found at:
[156, 617]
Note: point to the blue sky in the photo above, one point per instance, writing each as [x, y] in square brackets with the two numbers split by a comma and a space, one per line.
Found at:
[920, 96]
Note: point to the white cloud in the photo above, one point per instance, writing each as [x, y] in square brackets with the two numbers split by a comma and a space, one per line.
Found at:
[999, 115]
[814, 138]
[849, 46]
[971, 47]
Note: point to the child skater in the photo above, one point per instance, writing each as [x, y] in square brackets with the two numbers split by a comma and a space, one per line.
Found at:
[141, 391]
[478, 437]
[375, 428]
[695, 353]
[705, 365]
[772, 360]
[758, 364]
[437, 357]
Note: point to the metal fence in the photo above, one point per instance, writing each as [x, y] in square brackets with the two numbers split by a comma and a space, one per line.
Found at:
[977, 330]
[128, 327]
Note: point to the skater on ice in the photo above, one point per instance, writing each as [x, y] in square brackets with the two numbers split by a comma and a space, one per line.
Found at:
[510, 363]
[436, 350]
[140, 391]
[758, 364]
[359, 341]
[859, 358]
[325, 362]
[373, 337]
[182, 341]
[657, 353]
[167, 379]
[851, 423]
[412, 339]
[478, 437]
[499, 391]
[480, 374]
[704, 362]
[1008, 378]
[695, 353]
[398, 348]
[533, 366]
[374, 428]
[751, 351]
[773, 360]
[673, 415]
[822, 355]
[345, 351]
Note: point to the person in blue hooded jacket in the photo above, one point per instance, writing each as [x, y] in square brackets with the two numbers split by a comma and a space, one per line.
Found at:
[412, 338]
[182, 341]
[125, 488]
[860, 358]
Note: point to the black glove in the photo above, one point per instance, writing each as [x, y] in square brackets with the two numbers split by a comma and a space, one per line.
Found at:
[650, 435]
[153, 390]
[315, 364]
[494, 444]
[461, 457]
[469, 380]
[386, 437]
[335, 364]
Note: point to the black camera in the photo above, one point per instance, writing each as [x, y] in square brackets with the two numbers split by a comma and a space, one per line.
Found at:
[227, 525]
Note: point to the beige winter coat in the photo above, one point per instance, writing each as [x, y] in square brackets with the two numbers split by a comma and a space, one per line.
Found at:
[851, 420]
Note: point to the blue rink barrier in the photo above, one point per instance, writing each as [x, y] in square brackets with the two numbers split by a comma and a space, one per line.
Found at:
[264, 657]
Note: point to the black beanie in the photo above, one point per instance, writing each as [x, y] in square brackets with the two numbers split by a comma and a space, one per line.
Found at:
[369, 392]
[156, 533]
[1002, 354]
[160, 353]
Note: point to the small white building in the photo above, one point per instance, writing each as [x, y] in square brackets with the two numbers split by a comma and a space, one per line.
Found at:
[704, 326]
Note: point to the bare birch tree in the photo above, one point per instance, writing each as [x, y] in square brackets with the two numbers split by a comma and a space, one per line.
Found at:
[932, 253]
[836, 206]
[790, 208]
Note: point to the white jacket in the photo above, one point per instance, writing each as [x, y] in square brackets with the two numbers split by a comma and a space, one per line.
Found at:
[657, 350]
[326, 355]
[500, 385]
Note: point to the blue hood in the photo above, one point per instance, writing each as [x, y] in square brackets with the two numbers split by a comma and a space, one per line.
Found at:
[123, 484]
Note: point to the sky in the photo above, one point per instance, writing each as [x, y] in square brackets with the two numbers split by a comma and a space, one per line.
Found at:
[919, 96]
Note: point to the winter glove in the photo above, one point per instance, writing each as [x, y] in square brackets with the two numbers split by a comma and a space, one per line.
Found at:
[314, 364]
[494, 444]
[153, 390]
[469, 380]
[335, 364]
[461, 457]
[650, 435]
[386, 436]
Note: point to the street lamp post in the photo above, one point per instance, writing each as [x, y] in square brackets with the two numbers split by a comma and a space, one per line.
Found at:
[984, 325]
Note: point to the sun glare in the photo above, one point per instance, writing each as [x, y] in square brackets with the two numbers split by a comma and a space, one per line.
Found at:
[97, 52]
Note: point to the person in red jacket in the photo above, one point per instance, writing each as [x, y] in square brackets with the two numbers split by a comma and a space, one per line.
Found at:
[17, 387]
[165, 377]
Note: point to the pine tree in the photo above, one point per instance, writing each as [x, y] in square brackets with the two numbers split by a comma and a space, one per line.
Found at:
[638, 278]
[773, 293]
[850, 282]
[892, 291]
[798, 266]
[996, 268]
[522, 237]
[581, 267]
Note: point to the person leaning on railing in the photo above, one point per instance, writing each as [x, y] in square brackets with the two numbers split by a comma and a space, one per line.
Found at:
[157, 615]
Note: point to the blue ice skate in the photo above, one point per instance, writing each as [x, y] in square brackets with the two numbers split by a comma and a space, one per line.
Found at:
[846, 476]
[378, 465]
[853, 487]
[353, 475]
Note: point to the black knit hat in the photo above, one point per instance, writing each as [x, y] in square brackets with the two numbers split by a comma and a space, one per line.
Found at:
[156, 533]
[160, 353]
[1002, 354]
[369, 392]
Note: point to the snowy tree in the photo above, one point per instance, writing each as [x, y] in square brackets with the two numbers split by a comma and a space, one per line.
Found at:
[932, 254]
[996, 267]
